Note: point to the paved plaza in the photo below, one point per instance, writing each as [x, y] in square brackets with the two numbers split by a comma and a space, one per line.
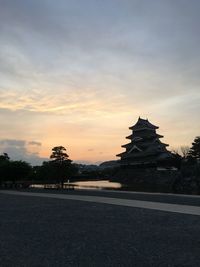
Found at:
[96, 228]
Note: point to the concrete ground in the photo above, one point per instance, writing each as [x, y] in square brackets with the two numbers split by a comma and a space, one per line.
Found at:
[44, 231]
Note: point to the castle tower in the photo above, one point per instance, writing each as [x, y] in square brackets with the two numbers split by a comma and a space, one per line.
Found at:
[145, 147]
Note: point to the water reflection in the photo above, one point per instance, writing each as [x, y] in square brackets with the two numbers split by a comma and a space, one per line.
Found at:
[100, 184]
[97, 185]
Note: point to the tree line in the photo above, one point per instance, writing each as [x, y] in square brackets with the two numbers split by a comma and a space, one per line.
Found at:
[57, 170]
[188, 180]
[191, 155]
[60, 168]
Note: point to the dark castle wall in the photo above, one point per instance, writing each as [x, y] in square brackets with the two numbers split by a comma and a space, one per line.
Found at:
[149, 180]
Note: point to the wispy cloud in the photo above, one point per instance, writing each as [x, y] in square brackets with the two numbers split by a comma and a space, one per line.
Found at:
[89, 68]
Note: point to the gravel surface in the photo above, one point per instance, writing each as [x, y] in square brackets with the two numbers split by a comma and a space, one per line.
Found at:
[52, 232]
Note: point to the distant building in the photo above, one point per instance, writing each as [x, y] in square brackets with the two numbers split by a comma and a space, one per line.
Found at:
[145, 147]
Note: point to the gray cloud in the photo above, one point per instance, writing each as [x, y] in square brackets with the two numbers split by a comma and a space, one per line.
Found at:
[158, 41]
[137, 29]
[17, 150]
[134, 42]
[12, 142]
[34, 143]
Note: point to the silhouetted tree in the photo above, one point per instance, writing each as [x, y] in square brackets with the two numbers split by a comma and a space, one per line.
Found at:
[4, 162]
[18, 171]
[4, 157]
[13, 171]
[59, 154]
[35, 173]
[194, 151]
[46, 172]
[185, 151]
[176, 159]
[61, 166]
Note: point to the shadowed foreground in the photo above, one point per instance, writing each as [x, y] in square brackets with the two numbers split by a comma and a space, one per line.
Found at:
[51, 232]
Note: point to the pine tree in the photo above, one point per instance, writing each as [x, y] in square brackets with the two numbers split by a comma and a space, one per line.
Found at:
[61, 165]
[195, 149]
[59, 155]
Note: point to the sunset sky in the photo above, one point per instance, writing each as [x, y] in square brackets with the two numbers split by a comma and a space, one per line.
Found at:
[78, 73]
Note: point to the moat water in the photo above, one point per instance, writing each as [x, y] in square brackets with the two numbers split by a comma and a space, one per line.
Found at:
[99, 184]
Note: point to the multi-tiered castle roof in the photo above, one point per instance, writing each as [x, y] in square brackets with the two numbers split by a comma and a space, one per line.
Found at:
[145, 146]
